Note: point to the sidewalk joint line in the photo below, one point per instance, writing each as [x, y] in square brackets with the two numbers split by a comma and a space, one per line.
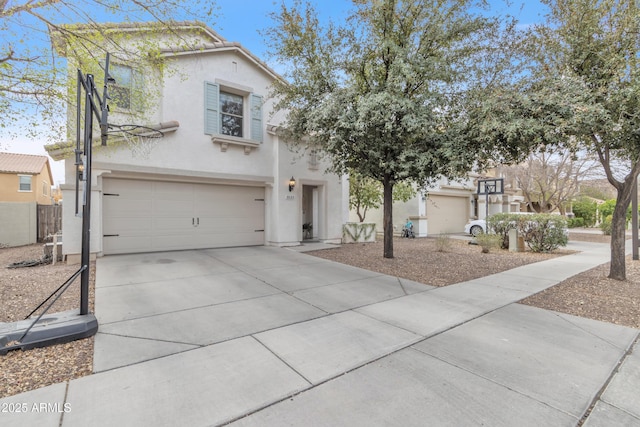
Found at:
[64, 401]
[612, 374]
[281, 359]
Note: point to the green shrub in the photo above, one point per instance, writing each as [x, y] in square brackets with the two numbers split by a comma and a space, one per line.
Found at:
[541, 232]
[606, 209]
[605, 226]
[575, 222]
[544, 232]
[501, 223]
[585, 209]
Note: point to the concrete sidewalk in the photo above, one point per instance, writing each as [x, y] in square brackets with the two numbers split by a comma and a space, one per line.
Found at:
[269, 336]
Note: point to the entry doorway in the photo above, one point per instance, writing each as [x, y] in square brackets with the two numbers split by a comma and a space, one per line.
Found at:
[310, 216]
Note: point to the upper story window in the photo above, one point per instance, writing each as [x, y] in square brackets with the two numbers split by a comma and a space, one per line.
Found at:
[25, 183]
[232, 112]
[313, 160]
[120, 91]
[45, 189]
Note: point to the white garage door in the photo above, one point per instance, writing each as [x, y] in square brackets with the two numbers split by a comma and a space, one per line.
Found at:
[447, 214]
[148, 216]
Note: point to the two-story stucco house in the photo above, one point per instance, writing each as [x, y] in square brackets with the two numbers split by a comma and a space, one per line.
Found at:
[221, 176]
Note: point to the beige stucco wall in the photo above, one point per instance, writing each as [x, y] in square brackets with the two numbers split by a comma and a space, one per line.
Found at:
[19, 224]
[10, 185]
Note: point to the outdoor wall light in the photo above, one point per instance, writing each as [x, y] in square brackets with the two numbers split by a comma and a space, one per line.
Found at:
[292, 184]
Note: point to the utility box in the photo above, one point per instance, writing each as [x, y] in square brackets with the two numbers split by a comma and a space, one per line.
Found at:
[513, 240]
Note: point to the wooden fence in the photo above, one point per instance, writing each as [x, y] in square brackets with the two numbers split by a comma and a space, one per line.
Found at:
[49, 218]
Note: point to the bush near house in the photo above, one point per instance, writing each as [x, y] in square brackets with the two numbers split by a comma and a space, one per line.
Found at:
[575, 222]
[605, 226]
[544, 232]
[606, 213]
[584, 209]
[541, 232]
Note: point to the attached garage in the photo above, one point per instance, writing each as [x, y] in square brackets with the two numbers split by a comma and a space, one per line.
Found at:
[447, 214]
[149, 216]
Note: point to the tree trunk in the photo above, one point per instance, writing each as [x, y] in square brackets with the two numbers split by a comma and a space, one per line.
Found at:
[387, 222]
[617, 270]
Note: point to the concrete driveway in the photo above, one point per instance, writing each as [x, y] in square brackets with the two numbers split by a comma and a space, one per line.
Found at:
[270, 336]
[153, 305]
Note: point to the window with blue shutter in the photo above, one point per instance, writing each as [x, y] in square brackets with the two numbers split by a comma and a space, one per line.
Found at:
[224, 113]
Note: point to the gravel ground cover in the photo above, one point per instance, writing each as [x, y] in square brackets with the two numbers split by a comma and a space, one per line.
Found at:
[437, 262]
[21, 291]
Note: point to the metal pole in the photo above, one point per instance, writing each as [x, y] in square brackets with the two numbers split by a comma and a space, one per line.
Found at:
[486, 204]
[86, 211]
[634, 220]
[78, 151]
[104, 109]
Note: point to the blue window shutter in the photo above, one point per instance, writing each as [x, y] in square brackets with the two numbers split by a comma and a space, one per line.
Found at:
[211, 101]
[256, 117]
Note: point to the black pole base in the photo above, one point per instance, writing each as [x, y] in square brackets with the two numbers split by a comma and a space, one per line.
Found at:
[51, 329]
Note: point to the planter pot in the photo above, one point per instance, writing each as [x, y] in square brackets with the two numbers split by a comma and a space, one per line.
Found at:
[354, 232]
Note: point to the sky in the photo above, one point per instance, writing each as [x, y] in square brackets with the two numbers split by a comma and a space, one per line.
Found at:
[241, 21]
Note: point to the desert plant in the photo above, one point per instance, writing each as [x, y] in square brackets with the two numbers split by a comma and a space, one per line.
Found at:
[488, 241]
[443, 243]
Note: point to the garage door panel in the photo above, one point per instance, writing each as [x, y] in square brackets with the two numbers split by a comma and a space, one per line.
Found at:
[127, 226]
[229, 225]
[128, 189]
[447, 214]
[171, 208]
[172, 225]
[127, 244]
[158, 216]
[122, 206]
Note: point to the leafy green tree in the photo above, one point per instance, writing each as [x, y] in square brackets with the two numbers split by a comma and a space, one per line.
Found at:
[581, 92]
[33, 90]
[365, 194]
[376, 91]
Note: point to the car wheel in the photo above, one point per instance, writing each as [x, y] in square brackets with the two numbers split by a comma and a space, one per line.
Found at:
[475, 230]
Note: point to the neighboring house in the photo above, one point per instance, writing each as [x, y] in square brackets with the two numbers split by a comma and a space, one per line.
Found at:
[25, 183]
[446, 206]
[25, 178]
[221, 174]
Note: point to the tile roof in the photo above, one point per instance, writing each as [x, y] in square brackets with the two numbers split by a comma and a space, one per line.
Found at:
[22, 163]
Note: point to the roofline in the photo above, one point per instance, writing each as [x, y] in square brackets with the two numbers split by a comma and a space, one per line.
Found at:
[46, 163]
[218, 43]
[111, 27]
[224, 47]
